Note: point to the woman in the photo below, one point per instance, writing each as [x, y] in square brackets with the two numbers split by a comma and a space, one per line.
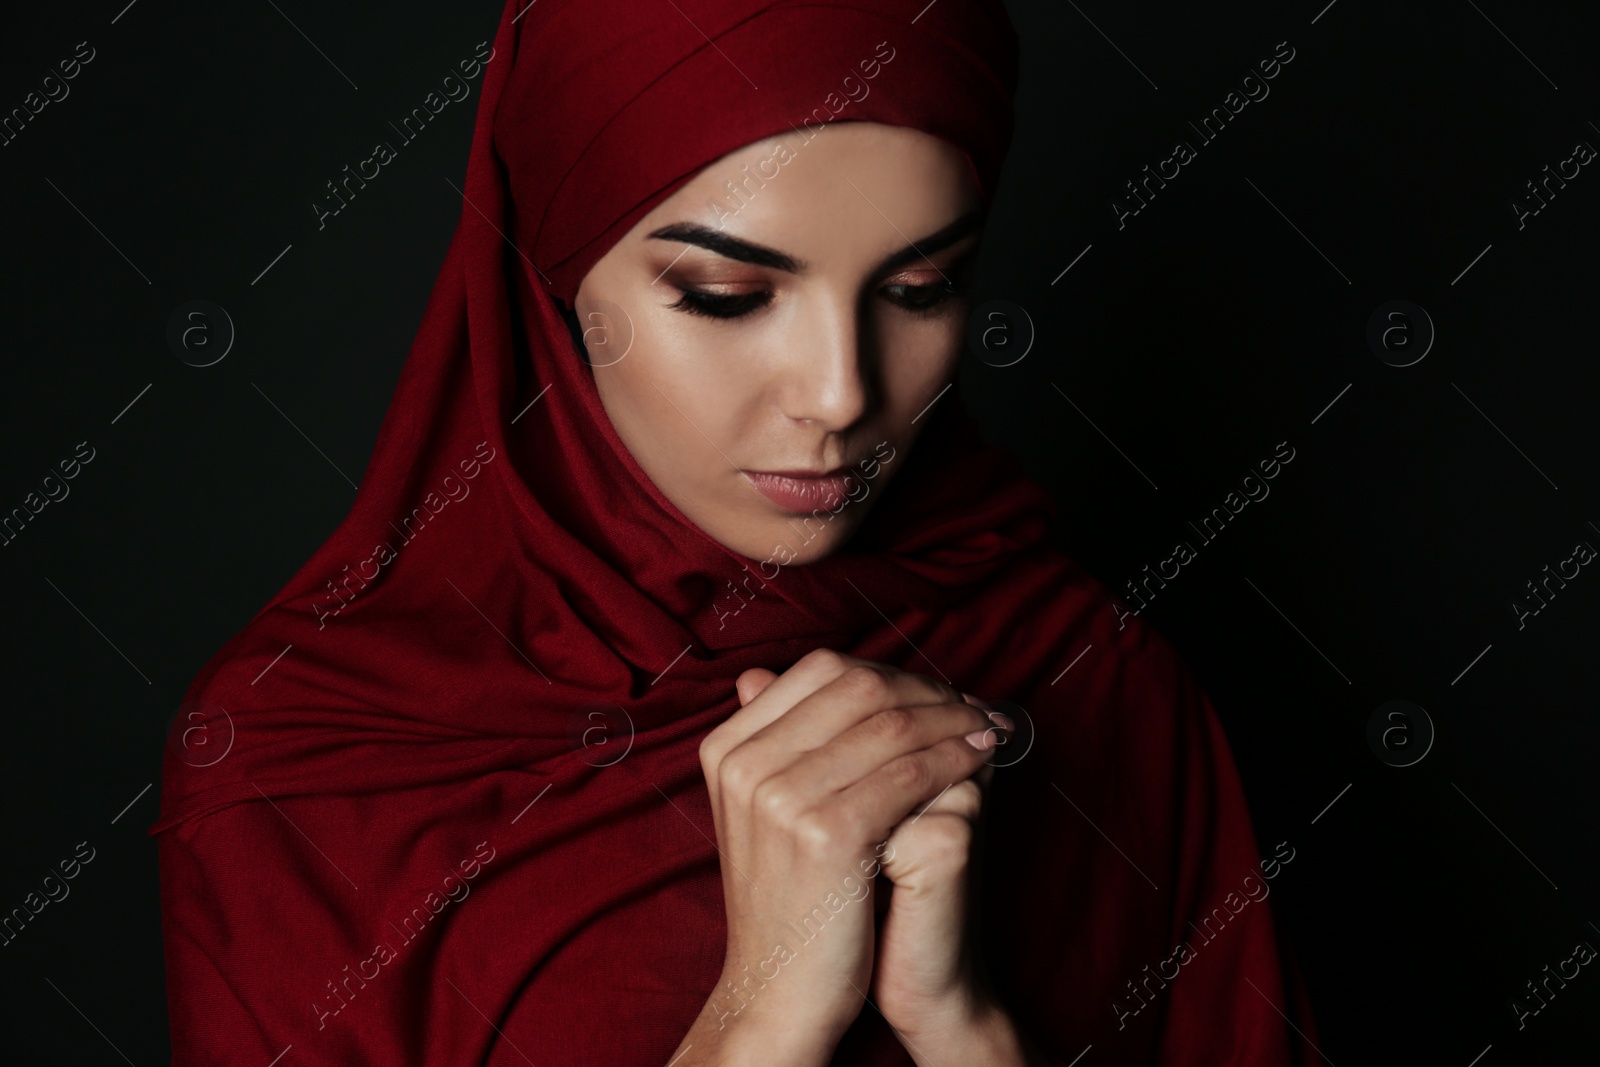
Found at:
[589, 734]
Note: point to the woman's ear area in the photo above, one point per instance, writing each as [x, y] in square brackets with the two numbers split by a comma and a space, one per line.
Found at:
[602, 330]
[574, 327]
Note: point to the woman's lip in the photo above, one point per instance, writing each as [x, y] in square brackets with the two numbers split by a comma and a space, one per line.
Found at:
[806, 474]
[801, 492]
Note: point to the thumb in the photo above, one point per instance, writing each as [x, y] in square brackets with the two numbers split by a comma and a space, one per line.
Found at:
[752, 683]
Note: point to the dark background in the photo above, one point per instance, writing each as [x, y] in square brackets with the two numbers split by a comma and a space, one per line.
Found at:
[1223, 318]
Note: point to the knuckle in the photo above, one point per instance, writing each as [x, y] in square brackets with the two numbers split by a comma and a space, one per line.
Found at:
[710, 752]
[736, 774]
[775, 802]
[907, 773]
[823, 658]
[814, 832]
[866, 681]
[895, 724]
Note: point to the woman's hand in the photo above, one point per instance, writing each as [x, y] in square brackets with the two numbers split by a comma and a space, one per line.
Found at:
[816, 769]
[923, 980]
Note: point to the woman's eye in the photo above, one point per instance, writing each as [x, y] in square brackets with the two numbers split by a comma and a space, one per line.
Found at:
[923, 299]
[714, 306]
[917, 299]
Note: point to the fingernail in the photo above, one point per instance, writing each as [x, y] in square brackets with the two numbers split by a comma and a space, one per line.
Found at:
[982, 740]
[1002, 720]
[975, 701]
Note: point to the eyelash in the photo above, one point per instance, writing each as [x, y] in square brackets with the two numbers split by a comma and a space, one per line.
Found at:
[724, 308]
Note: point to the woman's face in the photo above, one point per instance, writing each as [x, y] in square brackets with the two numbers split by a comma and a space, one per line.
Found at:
[794, 308]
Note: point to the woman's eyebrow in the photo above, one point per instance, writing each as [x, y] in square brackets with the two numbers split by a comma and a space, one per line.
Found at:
[725, 244]
[937, 241]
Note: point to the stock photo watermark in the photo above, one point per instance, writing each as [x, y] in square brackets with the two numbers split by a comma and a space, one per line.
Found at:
[854, 89]
[53, 89]
[1233, 904]
[53, 888]
[1250, 487]
[855, 888]
[455, 89]
[610, 329]
[1551, 183]
[1540, 591]
[1253, 89]
[201, 733]
[415, 924]
[1400, 733]
[1000, 333]
[1400, 333]
[384, 553]
[870, 468]
[1552, 982]
[597, 732]
[200, 333]
[54, 488]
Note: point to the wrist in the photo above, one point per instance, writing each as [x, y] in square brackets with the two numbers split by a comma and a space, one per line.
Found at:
[971, 1032]
[753, 1042]
[747, 1022]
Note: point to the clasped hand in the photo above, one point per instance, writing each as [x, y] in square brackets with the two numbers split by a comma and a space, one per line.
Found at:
[838, 766]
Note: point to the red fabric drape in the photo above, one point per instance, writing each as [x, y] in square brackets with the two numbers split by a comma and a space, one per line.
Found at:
[439, 802]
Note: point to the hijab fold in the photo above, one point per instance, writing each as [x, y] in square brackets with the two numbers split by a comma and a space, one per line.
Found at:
[440, 801]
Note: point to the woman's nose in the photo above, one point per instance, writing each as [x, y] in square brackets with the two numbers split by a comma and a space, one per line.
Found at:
[829, 376]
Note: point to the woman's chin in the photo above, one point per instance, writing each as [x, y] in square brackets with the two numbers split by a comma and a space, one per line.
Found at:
[778, 538]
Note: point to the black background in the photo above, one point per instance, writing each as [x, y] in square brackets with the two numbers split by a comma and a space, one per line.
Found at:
[1223, 318]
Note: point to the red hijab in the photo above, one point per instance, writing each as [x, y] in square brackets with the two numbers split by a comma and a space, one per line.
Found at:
[440, 801]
